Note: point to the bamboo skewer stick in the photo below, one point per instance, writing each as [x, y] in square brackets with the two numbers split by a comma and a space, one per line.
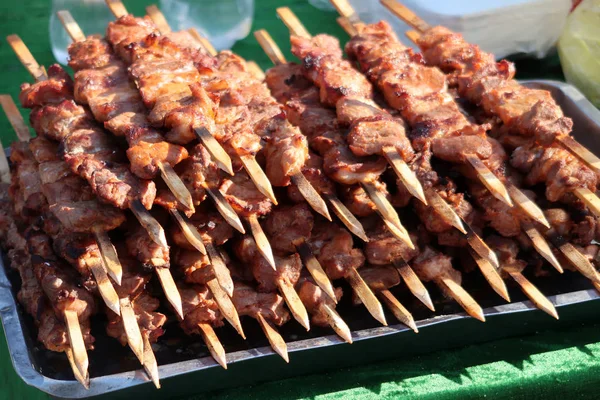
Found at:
[173, 181]
[226, 306]
[534, 294]
[259, 177]
[347, 218]
[132, 329]
[294, 303]
[337, 323]
[541, 246]
[225, 209]
[213, 343]
[158, 18]
[445, 211]
[413, 283]
[527, 205]
[366, 295]
[463, 298]
[489, 180]
[107, 252]
[589, 198]
[203, 42]
[150, 364]
[492, 276]
[264, 247]
[315, 269]
[399, 311]
[220, 269]
[274, 337]
[310, 194]
[170, 289]
[117, 8]
[83, 379]
[406, 175]
[189, 231]
[80, 355]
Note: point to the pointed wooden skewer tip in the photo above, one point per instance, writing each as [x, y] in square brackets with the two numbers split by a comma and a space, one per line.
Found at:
[480, 247]
[105, 287]
[413, 283]
[541, 246]
[399, 311]
[154, 229]
[170, 289]
[337, 323]
[225, 209]
[176, 186]
[347, 218]
[150, 364]
[258, 176]
[275, 340]
[83, 379]
[213, 343]
[132, 329]
[534, 294]
[406, 175]
[366, 295]
[489, 180]
[226, 306]
[218, 154]
[527, 205]
[80, 355]
[492, 276]
[220, 269]
[447, 213]
[461, 296]
[310, 194]
[579, 261]
[315, 269]
[264, 247]
[294, 303]
[189, 231]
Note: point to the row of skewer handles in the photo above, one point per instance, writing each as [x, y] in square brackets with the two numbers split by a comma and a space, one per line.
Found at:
[428, 264]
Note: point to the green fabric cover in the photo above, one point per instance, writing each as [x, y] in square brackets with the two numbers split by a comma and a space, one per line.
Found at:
[557, 364]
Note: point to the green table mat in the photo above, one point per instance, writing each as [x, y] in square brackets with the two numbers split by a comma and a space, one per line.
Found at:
[557, 364]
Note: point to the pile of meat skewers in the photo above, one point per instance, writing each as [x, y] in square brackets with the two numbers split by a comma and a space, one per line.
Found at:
[242, 169]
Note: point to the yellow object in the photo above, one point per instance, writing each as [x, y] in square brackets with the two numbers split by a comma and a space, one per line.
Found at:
[579, 49]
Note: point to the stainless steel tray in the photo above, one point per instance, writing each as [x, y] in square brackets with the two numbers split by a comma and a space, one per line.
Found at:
[186, 367]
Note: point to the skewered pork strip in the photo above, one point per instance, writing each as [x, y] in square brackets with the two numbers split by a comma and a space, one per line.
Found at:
[87, 149]
[530, 113]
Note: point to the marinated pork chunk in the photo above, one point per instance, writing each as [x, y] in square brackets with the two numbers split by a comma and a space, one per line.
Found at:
[313, 298]
[334, 248]
[248, 301]
[431, 265]
[149, 253]
[384, 248]
[87, 149]
[243, 196]
[289, 226]
[198, 307]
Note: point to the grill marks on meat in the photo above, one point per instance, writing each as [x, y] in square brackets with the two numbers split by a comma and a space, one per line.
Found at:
[248, 301]
[320, 127]
[558, 169]
[417, 91]
[482, 80]
[336, 78]
[115, 101]
[87, 149]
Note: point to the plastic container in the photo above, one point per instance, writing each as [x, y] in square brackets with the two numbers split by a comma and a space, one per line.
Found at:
[501, 27]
